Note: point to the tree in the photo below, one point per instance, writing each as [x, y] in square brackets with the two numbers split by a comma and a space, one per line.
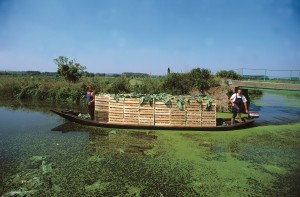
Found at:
[69, 69]
[120, 85]
[228, 74]
[148, 85]
[177, 83]
[200, 78]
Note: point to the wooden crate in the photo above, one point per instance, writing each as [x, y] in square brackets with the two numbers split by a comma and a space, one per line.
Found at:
[146, 114]
[129, 111]
[131, 119]
[193, 114]
[101, 103]
[101, 116]
[193, 123]
[146, 119]
[208, 123]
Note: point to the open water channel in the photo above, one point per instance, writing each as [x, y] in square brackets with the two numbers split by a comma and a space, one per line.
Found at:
[41, 154]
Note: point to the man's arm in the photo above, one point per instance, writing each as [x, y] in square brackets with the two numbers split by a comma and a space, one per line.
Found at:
[246, 109]
[231, 100]
[245, 103]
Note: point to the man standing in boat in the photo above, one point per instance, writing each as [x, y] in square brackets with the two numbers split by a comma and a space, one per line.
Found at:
[90, 96]
[238, 102]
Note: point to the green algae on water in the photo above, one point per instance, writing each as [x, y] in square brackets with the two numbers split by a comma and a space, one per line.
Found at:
[259, 161]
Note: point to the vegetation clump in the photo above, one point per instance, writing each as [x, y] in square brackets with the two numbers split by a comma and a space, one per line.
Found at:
[229, 74]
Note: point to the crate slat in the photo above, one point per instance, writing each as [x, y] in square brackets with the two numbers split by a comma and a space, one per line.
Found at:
[162, 123]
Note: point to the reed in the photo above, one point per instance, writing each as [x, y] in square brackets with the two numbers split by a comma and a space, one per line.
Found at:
[44, 88]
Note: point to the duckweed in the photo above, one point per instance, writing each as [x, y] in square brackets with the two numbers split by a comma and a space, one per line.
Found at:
[89, 161]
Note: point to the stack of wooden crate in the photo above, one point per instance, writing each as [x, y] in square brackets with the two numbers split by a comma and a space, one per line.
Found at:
[130, 111]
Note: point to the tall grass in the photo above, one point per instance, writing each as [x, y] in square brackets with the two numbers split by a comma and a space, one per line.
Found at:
[57, 89]
[45, 88]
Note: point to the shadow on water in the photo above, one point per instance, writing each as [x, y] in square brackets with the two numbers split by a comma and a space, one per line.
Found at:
[112, 141]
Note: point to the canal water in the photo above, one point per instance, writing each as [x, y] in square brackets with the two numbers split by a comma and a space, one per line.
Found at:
[41, 154]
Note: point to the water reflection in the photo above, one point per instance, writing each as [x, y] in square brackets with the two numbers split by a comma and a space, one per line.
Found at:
[276, 108]
[113, 141]
[38, 106]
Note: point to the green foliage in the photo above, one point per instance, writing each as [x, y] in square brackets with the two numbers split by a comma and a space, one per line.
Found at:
[120, 85]
[99, 83]
[200, 78]
[87, 74]
[208, 103]
[42, 88]
[132, 74]
[27, 92]
[8, 87]
[229, 74]
[148, 85]
[183, 83]
[177, 84]
[69, 69]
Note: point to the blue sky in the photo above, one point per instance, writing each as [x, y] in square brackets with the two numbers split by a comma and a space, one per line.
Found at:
[114, 36]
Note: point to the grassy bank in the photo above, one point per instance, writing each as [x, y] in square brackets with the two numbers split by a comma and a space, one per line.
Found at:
[57, 89]
[47, 88]
[54, 88]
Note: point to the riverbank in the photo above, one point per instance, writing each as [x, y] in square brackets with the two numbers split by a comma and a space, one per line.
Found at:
[40, 88]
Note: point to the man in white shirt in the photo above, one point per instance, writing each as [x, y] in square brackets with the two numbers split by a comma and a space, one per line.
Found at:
[237, 101]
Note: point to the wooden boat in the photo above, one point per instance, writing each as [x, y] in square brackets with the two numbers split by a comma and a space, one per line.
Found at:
[222, 124]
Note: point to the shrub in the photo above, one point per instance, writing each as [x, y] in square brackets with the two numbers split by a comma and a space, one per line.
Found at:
[120, 85]
[176, 84]
[201, 79]
[148, 85]
[231, 74]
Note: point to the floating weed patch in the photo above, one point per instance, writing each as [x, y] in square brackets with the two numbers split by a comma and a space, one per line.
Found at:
[288, 183]
[260, 103]
[260, 161]
[143, 175]
[292, 104]
[247, 162]
[30, 181]
[266, 155]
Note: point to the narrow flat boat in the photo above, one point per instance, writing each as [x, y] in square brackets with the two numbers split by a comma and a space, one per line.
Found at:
[222, 124]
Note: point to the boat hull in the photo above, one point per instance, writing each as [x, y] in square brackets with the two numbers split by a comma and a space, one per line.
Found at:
[223, 124]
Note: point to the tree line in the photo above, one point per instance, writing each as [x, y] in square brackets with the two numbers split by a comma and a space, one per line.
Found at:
[198, 79]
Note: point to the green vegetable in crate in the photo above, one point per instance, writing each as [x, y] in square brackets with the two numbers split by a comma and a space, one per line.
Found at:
[84, 116]
[166, 98]
[208, 104]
